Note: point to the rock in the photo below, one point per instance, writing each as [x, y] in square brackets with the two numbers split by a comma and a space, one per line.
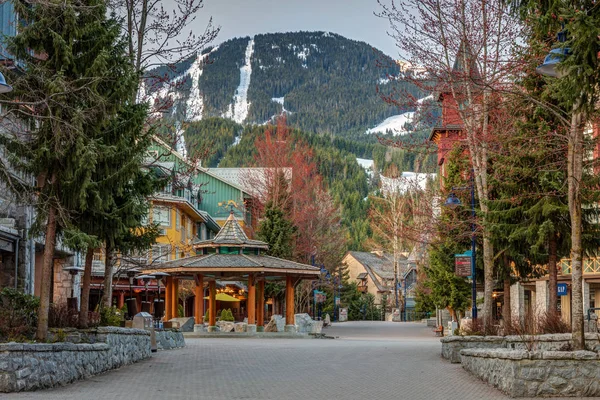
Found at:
[185, 324]
[271, 326]
[276, 324]
[226, 326]
[240, 327]
[305, 324]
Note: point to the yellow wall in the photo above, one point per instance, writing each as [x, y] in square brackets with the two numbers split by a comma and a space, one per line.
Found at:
[181, 231]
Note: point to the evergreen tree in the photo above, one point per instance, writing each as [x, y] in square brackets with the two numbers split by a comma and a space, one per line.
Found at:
[68, 95]
[277, 231]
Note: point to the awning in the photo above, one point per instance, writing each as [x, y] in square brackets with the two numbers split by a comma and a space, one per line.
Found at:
[224, 297]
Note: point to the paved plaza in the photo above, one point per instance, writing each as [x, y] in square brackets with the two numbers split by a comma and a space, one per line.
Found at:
[368, 360]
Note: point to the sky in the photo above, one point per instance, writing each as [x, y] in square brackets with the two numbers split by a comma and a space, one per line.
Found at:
[350, 18]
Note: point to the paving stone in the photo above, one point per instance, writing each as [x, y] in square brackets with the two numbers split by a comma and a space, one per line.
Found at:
[368, 360]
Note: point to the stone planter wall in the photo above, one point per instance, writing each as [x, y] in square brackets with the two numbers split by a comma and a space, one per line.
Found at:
[452, 345]
[40, 365]
[521, 373]
[169, 339]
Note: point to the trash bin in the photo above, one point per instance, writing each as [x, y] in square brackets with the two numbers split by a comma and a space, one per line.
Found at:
[144, 321]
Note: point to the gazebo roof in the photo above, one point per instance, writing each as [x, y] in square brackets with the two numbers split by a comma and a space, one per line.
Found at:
[231, 235]
[223, 265]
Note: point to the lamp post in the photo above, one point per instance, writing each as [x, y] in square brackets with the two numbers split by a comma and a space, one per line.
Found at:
[453, 202]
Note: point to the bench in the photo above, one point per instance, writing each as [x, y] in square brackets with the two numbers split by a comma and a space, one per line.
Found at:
[439, 331]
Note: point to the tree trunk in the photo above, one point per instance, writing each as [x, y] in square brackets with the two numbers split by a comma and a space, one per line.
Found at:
[552, 275]
[50, 242]
[488, 274]
[108, 277]
[85, 289]
[575, 173]
[506, 310]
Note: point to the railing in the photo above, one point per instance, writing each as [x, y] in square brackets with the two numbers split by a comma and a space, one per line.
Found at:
[590, 266]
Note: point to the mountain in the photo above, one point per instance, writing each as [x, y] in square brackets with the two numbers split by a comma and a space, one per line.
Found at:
[325, 83]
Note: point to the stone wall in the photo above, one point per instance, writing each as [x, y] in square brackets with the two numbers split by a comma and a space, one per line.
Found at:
[39, 366]
[452, 345]
[520, 373]
[169, 339]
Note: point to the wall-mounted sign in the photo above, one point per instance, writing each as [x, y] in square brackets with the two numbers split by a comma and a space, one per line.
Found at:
[462, 264]
[561, 289]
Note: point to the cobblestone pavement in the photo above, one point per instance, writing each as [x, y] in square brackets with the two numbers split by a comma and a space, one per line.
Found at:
[368, 360]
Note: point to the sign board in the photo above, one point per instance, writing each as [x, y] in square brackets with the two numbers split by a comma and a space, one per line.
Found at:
[462, 264]
[320, 297]
[343, 315]
[561, 289]
[336, 300]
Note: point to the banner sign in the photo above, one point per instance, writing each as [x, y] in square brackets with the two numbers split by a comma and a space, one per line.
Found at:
[462, 264]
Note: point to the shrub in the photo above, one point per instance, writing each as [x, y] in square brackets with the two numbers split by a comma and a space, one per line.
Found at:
[180, 311]
[111, 316]
[227, 315]
[18, 315]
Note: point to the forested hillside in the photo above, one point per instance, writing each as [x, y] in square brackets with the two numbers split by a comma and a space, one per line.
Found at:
[325, 82]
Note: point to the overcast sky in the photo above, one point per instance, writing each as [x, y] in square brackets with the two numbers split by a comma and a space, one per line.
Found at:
[351, 18]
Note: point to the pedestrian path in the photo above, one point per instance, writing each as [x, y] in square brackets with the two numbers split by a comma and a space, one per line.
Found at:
[369, 360]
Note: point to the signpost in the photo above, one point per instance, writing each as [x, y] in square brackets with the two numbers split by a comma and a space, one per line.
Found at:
[561, 289]
[462, 264]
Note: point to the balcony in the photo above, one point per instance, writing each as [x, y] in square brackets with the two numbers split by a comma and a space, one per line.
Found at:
[590, 266]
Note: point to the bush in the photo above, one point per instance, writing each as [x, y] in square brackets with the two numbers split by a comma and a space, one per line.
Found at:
[227, 315]
[18, 315]
[111, 316]
[180, 311]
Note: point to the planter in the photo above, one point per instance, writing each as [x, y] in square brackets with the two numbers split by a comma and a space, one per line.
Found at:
[452, 345]
[521, 373]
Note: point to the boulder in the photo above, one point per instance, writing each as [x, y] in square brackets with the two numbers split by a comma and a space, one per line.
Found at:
[240, 327]
[305, 324]
[185, 324]
[226, 326]
[276, 324]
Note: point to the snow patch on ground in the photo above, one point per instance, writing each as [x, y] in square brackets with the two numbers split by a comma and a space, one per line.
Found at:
[408, 181]
[367, 164]
[279, 100]
[383, 81]
[396, 124]
[424, 99]
[238, 111]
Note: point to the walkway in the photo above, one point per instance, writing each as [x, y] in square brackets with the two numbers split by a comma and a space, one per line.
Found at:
[370, 360]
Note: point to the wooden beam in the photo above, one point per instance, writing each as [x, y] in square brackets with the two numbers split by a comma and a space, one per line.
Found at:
[251, 302]
[168, 297]
[212, 303]
[175, 298]
[260, 304]
[289, 301]
[199, 299]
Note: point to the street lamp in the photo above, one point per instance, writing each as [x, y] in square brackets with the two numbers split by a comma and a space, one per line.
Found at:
[452, 202]
[146, 280]
[548, 67]
[4, 87]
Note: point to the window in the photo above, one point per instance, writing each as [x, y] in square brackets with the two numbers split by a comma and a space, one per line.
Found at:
[183, 228]
[190, 230]
[161, 253]
[161, 216]
[177, 219]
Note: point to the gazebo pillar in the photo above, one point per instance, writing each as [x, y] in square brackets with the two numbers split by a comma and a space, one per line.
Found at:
[289, 305]
[260, 306]
[174, 297]
[251, 304]
[212, 306]
[199, 299]
[168, 291]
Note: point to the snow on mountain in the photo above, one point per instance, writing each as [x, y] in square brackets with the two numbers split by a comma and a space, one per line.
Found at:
[366, 164]
[406, 182]
[195, 103]
[238, 111]
[280, 100]
[396, 124]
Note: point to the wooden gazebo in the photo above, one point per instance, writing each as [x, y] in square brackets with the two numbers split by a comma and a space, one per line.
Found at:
[232, 256]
